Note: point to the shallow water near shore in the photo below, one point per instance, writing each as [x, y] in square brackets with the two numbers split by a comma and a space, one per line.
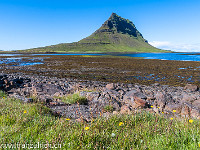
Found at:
[159, 56]
[21, 61]
[167, 56]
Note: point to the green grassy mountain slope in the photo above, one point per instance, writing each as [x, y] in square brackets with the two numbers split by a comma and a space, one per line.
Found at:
[115, 35]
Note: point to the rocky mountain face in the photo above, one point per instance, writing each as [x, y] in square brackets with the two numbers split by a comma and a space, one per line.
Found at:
[117, 30]
[117, 24]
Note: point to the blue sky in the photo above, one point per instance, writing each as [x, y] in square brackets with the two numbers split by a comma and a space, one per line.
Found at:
[167, 24]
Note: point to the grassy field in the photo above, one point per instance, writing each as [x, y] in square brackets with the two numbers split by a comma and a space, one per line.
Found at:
[27, 124]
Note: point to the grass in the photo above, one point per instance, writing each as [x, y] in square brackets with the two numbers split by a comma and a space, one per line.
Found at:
[78, 47]
[32, 123]
[108, 108]
[74, 98]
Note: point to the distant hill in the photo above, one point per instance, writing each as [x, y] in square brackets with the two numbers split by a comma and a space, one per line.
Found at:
[115, 35]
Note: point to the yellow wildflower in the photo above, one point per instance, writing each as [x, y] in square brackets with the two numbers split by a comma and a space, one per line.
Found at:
[87, 128]
[25, 111]
[158, 107]
[190, 121]
[121, 123]
[3, 97]
[174, 110]
[171, 118]
[67, 119]
[162, 112]
[151, 106]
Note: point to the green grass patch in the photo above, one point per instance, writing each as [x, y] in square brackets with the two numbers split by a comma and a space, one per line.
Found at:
[100, 43]
[108, 108]
[3, 94]
[74, 98]
[32, 123]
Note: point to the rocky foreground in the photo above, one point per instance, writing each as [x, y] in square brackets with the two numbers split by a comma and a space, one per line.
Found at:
[103, 99]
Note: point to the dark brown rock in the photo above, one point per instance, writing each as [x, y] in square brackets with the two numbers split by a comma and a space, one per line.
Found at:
[140, 101]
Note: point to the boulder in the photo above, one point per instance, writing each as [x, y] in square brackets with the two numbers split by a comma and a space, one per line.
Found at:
[115, 113]
[156, 84]
[58, 94]
[191, 87]
[134, 93]
[185, 111]
[129, 94]
[92, 96]
[196, 103]
[171, 107]
[110, 86]
[140, 102]
[195, 113]
[164, 98]
[188, 97]
[160, 103]
[125, 109]
[160, 100]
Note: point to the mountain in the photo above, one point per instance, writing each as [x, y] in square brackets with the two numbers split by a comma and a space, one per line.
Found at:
[115, 35]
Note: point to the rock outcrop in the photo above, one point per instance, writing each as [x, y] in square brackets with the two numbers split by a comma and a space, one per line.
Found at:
[113, 97]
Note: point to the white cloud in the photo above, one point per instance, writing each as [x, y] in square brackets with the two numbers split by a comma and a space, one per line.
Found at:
[178, 47]
[159, 43]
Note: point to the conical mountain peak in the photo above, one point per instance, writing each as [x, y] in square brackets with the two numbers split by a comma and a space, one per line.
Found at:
[117, 24]
[116, 34]
[114, 15]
